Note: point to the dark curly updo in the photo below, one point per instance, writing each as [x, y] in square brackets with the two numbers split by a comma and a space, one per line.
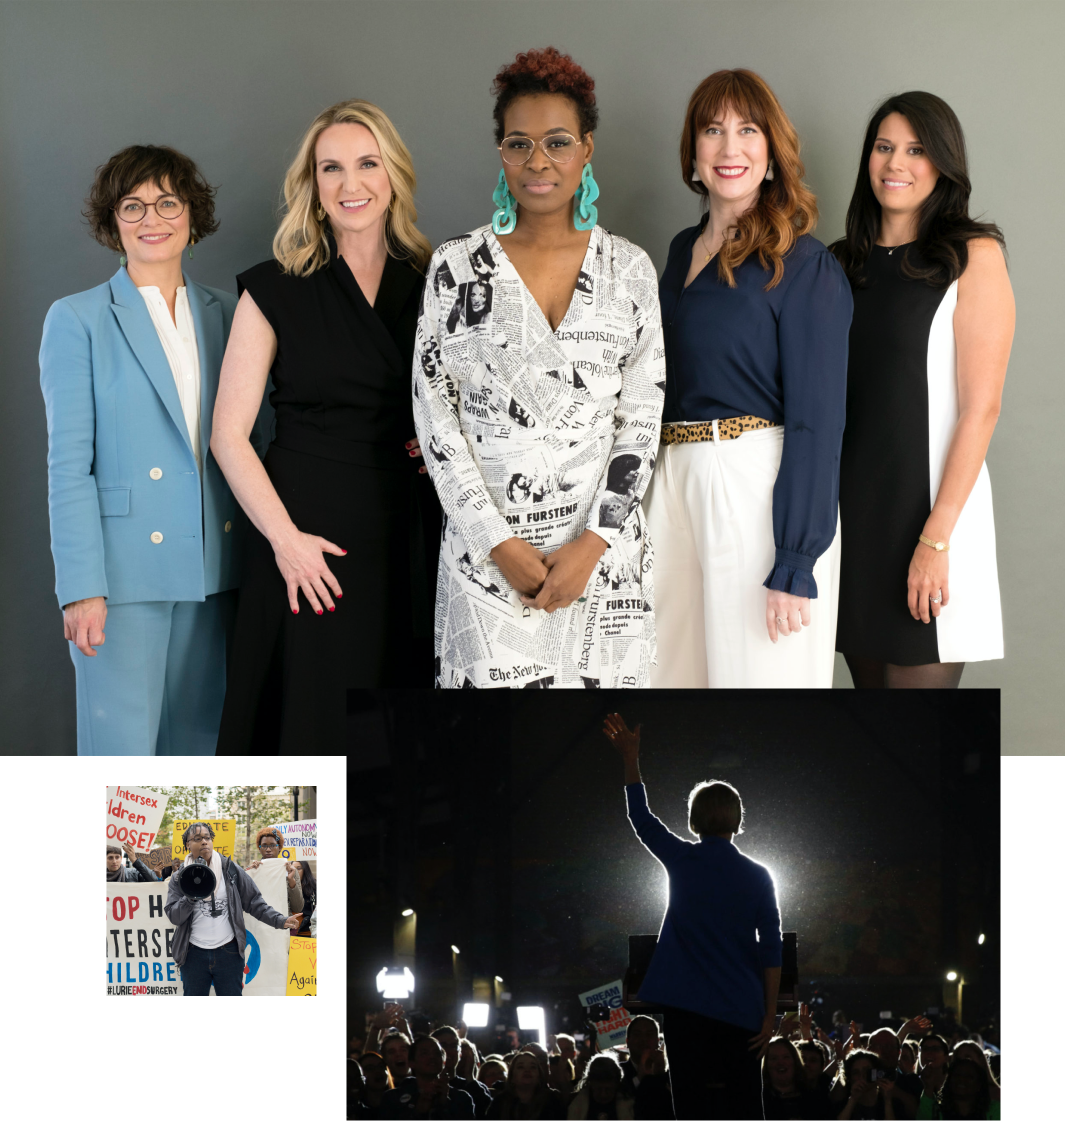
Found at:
[546, 71]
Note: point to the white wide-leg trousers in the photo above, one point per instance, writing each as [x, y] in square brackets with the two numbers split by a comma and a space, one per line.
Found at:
[710, 512]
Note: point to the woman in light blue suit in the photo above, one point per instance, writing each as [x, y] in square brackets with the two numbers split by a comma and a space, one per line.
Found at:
[146, 535]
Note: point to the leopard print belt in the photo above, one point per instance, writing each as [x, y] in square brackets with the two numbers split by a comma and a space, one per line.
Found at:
[728, 429]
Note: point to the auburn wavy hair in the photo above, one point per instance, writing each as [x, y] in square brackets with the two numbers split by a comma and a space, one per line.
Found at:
[786, 208]
[546, 71]
[300, 245]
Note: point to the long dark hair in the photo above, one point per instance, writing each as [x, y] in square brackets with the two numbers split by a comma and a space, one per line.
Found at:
[944, 222]
[307, 879]
[948, 1105]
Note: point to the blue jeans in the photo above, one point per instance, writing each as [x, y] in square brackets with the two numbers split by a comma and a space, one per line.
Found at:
[222, 966]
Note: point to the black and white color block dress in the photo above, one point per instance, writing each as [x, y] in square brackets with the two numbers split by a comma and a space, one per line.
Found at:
[540, 434]
[902, 409]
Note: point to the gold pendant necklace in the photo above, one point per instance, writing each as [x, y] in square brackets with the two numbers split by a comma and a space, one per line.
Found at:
[704, 240]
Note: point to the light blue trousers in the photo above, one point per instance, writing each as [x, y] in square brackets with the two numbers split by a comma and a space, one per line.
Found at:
[157, 683]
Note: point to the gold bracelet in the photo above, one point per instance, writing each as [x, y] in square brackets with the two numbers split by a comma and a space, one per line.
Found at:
[940, 546]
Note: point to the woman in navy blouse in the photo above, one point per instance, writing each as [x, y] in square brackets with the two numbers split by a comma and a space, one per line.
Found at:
[743, 503]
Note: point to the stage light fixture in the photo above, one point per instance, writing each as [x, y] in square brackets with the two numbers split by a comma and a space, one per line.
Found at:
[532, 1019]
[476, 1015]
[980, 939]
[396, 984]
[500, 979]
[953, 976]
[455, 949]
[407, 912]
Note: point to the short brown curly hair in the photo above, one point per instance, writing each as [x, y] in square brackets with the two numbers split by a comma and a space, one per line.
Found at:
[546, 71]
[270, 831]
[148, 163]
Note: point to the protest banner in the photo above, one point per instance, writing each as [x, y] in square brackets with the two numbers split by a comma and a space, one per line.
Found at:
[225, 830]
[607, 998]
[303, 967]
[300, 840]
[140, 941]
[266, 956]
[133, 816]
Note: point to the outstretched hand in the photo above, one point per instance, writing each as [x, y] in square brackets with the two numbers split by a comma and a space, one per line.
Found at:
[627, 742]
[761, 1041]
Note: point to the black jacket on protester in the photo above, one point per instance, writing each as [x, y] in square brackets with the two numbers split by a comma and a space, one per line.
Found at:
[139, 873]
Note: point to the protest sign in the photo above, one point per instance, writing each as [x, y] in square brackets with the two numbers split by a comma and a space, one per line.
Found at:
[303, 967]
[140, 941]
[612, 1030]
[158, 859]
[300, 840]
[225, 830]
[266, 956]
[133, 816]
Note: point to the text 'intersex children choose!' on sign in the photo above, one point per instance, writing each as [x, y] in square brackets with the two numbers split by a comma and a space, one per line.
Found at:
[134, 816]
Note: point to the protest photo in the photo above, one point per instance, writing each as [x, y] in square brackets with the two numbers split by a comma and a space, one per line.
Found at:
[212, 890]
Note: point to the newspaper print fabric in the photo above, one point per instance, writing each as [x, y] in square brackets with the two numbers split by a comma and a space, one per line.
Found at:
[540, 434]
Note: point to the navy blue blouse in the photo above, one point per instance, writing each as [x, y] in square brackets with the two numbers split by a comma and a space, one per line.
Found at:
[781, 355]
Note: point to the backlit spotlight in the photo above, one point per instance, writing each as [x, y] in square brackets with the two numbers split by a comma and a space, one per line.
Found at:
[532, 1019]
[407, 912]
[476, 1015]
[953, 976]
[980, 939]
[455, 949]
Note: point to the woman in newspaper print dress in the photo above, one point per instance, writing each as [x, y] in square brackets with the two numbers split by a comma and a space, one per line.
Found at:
[541, 440]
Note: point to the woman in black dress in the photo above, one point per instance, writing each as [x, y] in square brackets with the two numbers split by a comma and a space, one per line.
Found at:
[331, 320]
[928, 350]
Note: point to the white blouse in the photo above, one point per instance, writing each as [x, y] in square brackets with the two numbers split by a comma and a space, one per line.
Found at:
[540, 434]
[179, 345]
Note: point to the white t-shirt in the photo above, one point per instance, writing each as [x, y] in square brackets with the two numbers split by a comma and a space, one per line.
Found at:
[211, 931]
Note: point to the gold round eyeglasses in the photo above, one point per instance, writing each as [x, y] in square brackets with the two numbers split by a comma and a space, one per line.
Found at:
[560, 147]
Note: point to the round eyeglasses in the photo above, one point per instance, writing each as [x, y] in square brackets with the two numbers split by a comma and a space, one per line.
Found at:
[560, 147]
[134, 209]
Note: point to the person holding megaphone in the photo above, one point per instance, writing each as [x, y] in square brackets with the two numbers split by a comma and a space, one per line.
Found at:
[206, 902]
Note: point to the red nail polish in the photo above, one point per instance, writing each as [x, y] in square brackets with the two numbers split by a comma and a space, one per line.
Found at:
[344, 552]
[340, 595]
[333, 609]
[319, 611]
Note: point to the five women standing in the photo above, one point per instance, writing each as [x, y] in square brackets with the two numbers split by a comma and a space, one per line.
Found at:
[539, 371]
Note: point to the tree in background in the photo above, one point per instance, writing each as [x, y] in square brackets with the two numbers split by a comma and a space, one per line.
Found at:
[251, 806]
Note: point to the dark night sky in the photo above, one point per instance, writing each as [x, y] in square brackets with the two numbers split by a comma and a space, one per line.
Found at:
[849, 800]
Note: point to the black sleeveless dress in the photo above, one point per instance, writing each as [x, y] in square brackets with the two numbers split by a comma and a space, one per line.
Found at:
[341, 396]
[902, 408]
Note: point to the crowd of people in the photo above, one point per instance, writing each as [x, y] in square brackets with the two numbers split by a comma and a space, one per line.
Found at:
[209, 933]
[917, 1069]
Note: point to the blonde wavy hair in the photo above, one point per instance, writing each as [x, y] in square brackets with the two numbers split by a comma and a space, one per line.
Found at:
[300, 244]
[786, 208]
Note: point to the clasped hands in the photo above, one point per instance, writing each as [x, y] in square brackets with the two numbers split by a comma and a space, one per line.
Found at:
[549, 581]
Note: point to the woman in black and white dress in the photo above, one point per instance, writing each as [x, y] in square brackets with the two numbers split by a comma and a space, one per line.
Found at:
[928, 351]
[537, 386]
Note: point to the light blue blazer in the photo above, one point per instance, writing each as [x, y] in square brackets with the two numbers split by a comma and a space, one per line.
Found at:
[120, 529]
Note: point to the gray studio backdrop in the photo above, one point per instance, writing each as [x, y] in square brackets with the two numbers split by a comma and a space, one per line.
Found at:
[234, 84]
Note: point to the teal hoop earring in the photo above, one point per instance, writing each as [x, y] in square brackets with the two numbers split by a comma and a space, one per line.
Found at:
[506, 217]
[585, 214]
